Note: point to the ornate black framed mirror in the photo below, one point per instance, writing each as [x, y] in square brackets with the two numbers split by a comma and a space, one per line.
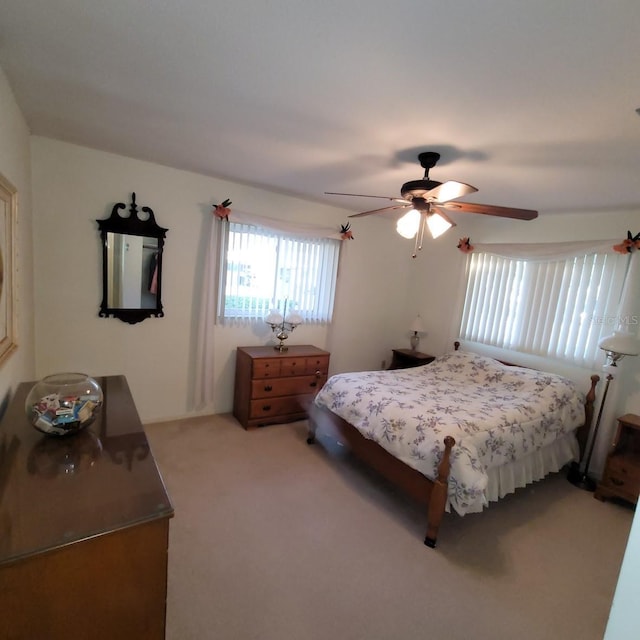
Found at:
[132, 249]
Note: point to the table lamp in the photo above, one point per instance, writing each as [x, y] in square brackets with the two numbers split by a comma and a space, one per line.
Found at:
[282, 325]
[416, 328]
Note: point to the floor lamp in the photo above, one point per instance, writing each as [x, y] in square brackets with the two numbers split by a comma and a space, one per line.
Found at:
[616, 346]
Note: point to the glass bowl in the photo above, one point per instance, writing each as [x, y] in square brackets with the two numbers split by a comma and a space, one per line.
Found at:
[63, 403]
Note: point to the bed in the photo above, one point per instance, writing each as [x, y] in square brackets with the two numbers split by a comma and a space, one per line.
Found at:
[460, 432]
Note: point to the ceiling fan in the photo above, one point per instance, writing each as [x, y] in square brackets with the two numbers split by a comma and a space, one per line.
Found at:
[429, 200]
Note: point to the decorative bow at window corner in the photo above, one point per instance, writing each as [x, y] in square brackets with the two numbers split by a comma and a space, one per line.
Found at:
[345, 231]
[282, 325]
[465, 245]
[631, 244]
[222, 210]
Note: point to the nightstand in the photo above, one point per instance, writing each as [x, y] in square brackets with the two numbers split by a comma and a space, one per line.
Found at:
[621, 477]
[406, 358]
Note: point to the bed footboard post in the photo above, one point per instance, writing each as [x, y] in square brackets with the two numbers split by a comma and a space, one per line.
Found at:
[438, 499]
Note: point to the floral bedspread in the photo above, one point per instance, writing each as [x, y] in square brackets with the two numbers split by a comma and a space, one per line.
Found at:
[496, 414]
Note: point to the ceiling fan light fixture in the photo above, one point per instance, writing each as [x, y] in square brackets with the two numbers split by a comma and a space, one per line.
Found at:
[421, 199]
[437, 225]
[408, 225]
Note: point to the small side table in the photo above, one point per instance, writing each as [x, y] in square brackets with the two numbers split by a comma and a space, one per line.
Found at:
[407, 358]
[621, 476]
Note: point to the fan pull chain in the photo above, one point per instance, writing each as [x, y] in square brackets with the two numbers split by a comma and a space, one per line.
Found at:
[420, 235]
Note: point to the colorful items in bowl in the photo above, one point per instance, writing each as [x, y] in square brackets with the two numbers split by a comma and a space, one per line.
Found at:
[63, 403]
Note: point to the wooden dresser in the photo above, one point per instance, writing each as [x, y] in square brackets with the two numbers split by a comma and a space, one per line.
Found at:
[273, 387]
[621, 476]
[84, 527]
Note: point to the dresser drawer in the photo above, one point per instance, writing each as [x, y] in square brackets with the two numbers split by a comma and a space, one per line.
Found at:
[621, 487]
[293, 366]
[267, 368]
[267, 407]
[318, 365]
[621, 484]
[273, 387]
[275, 367]
[624, 467]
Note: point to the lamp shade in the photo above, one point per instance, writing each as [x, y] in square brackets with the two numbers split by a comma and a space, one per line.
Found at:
[408, 225]
[621, 342]
[437, 225]
[274, 317]
[294, 318]
[416, 325]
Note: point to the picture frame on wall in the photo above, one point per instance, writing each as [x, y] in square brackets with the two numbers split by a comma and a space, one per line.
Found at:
[8, 215]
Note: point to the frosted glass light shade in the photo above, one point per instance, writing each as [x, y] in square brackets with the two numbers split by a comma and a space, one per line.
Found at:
[621, 342]
[437, 225]
[274, 318]
[416, 325]
[408, 225]
[294, 318]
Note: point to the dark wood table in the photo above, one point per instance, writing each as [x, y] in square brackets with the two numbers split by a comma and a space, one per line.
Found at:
[84, 526]
[407, 358]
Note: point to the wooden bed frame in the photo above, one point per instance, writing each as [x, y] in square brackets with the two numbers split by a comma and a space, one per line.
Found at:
[432, 493]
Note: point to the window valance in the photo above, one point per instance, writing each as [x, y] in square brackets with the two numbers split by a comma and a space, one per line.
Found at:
[545, 252]
[297, 229]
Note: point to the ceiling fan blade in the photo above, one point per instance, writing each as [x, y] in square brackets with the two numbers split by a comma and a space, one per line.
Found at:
[490, 210]
[449, 190]
[364, 195]
[389, 208]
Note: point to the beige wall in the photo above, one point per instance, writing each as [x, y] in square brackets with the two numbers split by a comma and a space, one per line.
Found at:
[15, 167]
[380, 288]
[74, 186]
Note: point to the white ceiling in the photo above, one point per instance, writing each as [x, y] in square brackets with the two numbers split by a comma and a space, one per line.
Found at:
[533, 102]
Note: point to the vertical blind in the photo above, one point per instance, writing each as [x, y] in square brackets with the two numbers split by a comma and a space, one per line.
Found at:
[559, 308]
[262, 268]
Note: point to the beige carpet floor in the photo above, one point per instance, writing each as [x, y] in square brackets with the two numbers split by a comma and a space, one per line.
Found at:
[275, 539]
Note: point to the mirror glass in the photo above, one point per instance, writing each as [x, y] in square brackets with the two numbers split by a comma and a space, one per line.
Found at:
[131, 261]
[132, 264]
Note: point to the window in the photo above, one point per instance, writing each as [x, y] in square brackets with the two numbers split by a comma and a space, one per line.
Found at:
[261, 268]
[551, 308]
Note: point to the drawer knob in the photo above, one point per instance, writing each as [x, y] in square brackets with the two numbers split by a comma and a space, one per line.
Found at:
[268, 387]
[266, 407]
[617, 482]
[313, 384]
[318, 373]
